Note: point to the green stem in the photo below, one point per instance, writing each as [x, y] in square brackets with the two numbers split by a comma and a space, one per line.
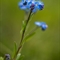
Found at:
[20, 46]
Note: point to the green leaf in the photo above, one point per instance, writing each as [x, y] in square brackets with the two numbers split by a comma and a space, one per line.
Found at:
[23, 26]
[21, 57]
[28, 36]
[1, 58]
[14, 49]
[18, 56]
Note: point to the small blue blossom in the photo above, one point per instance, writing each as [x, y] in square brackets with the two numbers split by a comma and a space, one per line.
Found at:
[24, 4]
[37, 5]
[38, 24]
[31, 4]
[42, 25]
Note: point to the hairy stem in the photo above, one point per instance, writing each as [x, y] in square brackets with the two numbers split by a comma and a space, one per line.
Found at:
[20, 46]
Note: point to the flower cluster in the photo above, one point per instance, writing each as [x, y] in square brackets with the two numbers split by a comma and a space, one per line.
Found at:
[33, 5]
[29, 4]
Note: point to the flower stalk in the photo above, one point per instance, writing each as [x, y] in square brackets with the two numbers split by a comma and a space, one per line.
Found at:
[20, 46]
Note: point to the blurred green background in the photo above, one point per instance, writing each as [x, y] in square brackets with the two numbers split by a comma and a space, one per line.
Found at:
[44, 45]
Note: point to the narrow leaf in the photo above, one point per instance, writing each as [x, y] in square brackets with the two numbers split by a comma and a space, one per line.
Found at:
[28, 36]
[1, 58]
[14, 49]
[23, 26]
[18, 56]
[21, 57]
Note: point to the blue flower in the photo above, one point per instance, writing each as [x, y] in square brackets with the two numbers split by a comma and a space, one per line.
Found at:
[39, 5]
[24, 4]
[36, 5]
[31, 4]
[43, 25]
[38, 24]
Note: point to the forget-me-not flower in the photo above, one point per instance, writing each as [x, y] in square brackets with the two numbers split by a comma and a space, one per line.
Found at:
[43, 25]
[38, 5]
[31, 4]
[24, 4]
